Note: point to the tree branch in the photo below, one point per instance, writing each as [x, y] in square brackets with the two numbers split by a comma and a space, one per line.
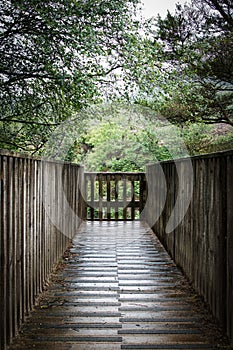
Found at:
[28, 122]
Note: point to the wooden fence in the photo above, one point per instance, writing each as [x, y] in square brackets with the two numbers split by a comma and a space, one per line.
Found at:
[202, 244]
[41, 208]
[114, 196]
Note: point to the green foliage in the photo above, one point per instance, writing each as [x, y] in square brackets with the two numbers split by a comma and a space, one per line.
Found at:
[197, 137]
[115, 148]
[197, 59]
[131, 138]
[126, 139]
[201, 138]
[222, 143]
[57, 57]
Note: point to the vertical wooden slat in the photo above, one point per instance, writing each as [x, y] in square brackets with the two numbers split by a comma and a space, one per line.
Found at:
[37, 230]
[229, 246]
[100, 179]
[27, 237]
[45, 221]
[57, 182]
[108, 198]
[19, 251]
[31, 232]
[141, 194]
[221, 297]
[61, 174]
[2, 262]
[124, 198]
[23, 245]
[86, 195]
[4, 254]
[132, 200]
[9, 249]
[92, 179]
[43, 225]
[69, 197]
[14, 245]
[116, 189]
[81, 210]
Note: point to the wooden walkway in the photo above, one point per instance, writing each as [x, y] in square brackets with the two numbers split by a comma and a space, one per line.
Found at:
[118, 289]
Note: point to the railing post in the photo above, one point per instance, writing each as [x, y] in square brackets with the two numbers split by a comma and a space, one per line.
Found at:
[100, 178]
[108, 198]
[124, 199]
[133, 200]
[116, 189]
[142, 194]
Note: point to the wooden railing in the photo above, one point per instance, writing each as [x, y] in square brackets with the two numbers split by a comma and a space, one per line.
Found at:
[41, 210]
[202, 243]
[37, 224]
[114, 196]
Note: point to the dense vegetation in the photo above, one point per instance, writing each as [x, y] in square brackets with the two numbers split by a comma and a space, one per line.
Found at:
[197, 57]
[90, 81]
[57, 57]
[127, 142]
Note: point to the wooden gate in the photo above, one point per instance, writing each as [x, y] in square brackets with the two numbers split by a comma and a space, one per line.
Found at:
[114, 196]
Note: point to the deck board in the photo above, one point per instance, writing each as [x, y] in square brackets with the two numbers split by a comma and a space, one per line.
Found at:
[118, 289]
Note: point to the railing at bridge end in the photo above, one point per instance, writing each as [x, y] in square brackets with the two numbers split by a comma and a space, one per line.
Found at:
[115, 196]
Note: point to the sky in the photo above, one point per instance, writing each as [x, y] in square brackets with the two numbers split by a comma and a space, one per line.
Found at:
[153, 7]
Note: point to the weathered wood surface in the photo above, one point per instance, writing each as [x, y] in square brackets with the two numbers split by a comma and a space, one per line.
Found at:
[118, 289]
[36, 227]
[202, 244]
[114, 196]
[37, 224]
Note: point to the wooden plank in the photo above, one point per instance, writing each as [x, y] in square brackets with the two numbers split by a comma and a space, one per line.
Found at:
[220, 164]
[132, 200]
[4, 226]
[116, 189]
[86, 184]
[108, 198]
[19, 252]
[2, 307]
[100, 179]
[27, 238]
[10, 252]
[229, 247]
[31, 234]
[124, 198]
[92, 189]
[43, 219]
[14, 245]
[37, 227]
[141, 194]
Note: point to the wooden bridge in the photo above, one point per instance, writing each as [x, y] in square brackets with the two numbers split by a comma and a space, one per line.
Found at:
[116, 286]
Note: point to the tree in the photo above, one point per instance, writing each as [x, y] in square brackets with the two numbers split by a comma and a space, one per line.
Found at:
[55, 58]
[197, 60]
[124, 138]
